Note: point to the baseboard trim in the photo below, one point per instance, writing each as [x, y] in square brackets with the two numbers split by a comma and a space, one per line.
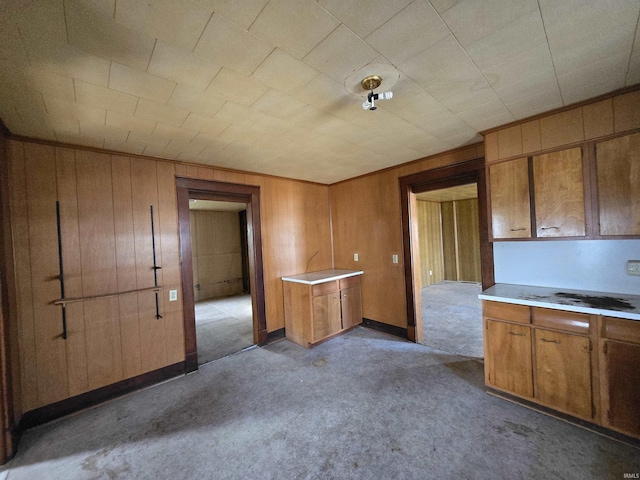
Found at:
[385, 327]
[70, 405]
[275, 335]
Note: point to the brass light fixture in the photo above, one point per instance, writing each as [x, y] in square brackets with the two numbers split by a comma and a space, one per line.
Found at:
[371, 83]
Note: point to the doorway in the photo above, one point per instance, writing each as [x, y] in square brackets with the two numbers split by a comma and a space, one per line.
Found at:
[468, 173]
[222, 300]
[450, 271]
[247, 197]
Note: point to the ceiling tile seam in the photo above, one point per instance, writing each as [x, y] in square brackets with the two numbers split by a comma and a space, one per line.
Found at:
[151, 56]
[553, 62]
[115, 2]
[262, 62]
[389, 19]
[320, 42]
[633, 44]
[202, 32]
[66, 25]
[257, 16]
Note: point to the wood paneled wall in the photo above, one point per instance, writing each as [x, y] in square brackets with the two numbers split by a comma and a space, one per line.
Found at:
[366, 219]
[107, 248]
[216, 254]
[430, 240]
[618, 114]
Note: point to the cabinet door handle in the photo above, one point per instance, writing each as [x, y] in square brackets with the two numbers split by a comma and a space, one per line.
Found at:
[542, 339]
[549, 228]
[518, 334]
[518, 229]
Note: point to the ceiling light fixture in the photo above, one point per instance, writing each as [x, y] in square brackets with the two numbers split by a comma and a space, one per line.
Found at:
[371, 83]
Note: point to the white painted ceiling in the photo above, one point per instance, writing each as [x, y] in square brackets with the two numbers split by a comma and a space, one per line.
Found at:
[259, 85]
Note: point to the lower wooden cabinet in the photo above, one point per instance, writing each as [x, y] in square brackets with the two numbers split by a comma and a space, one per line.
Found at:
[583, 365]
[563, 372]
[508, 357]
[314, 313]
[620, 373]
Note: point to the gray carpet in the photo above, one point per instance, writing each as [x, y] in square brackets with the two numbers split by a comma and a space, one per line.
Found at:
[361, 406]
[224, 325]
[452, 318]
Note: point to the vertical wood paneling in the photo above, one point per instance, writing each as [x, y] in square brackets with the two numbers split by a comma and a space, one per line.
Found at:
[152, 330]
[144, 194]
[68, 198]
[102, 321]
[510, 142]
[129, 335]
[430, 240]
[95, 214]
[468, 240]
[531, 136]
[626, 110]
[123, 223]
[169, 246]
[40, 167]
[22, 260]
[449, 241]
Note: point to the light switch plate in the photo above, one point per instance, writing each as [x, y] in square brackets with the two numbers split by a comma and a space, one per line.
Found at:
[173, 295]
[633, 267]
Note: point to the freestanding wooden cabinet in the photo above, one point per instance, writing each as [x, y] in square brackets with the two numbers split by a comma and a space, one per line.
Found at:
[320, 305]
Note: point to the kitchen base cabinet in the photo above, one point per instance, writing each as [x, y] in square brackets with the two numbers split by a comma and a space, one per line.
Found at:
[586, 366]
[563, 372]
[316, 312]
[508, 358]
[620, 351]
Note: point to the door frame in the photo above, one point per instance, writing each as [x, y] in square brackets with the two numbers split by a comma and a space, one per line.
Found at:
[189, 188]
[472, 171]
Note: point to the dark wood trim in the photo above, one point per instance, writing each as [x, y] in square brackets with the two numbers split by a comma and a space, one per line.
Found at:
[70, 405]
[244, 251]
[472, 171]
[8, 438]
[385, 328]
[276, 335]
[532, 200]
[213, 190]
[579, 422]
[566, 108]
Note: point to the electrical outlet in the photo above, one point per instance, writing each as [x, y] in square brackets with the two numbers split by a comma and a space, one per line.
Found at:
[355, 257]
[633, 267]
[173, 295]
[394, 258]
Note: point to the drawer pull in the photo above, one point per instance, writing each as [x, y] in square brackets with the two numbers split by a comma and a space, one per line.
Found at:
[518, 334]
[518, 229]
[549, 341]
[549, 228]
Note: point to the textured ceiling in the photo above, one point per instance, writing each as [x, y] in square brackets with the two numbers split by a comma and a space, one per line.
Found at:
[259, 85]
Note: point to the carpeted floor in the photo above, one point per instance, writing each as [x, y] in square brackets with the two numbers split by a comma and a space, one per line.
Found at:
[224, 325]
[452, 318]
[361, 406]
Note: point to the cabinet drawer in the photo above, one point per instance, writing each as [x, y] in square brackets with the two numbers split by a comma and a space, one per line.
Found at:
[507, 311]
[349, 282]
[324, 288]
[622, 329]
[561, 320]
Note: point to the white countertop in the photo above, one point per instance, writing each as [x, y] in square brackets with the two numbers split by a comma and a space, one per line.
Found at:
[313, 278]
[581, 301]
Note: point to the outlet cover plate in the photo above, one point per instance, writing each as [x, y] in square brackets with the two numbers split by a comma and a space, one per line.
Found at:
[173, 295]
[633, 267]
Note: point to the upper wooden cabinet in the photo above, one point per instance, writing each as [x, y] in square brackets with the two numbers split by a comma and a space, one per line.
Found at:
[510, 209]
[618, 173]
[559, 194]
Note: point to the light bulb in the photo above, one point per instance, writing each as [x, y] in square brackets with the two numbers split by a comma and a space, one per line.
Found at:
[385, 96]
[366, 105]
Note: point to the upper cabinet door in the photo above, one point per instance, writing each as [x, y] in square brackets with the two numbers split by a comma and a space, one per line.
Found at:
[510, 210]
[618, 166]
[559, 194]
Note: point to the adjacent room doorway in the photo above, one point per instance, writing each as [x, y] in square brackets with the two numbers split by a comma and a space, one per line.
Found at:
[235, 272]
[221, 284]
[450, 271]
